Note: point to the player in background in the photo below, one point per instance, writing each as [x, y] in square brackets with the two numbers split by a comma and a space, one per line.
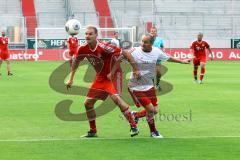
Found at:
[159, 43]
[72, 44]
[115, 41]
[4, 52]
[142, 90]
[100, 55]
[119, 75]
[198, 50]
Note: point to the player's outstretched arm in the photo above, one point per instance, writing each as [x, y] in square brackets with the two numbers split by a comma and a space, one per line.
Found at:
[128, 56]
[171, 59]
[74, 67]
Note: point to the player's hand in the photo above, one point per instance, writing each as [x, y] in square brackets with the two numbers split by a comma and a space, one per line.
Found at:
[158, 87]
[69, 84]
[186, 61]
[137, 74]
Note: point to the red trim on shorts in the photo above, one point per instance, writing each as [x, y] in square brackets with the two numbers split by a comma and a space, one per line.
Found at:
[144, 98]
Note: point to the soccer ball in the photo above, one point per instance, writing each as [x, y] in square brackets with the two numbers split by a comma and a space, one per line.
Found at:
[72, 27]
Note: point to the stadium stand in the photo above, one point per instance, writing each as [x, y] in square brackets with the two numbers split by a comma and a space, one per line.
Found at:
[178, 21]
[28, 10]
[11, 20]
[84, 11]
[50, 13]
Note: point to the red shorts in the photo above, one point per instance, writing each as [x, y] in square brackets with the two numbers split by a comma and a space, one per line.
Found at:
[4, 55]
[196, 61]
[72, 52]
[101, 88]
[144, 98]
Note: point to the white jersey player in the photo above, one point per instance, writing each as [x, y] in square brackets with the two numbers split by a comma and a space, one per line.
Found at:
[146, 62]
[142, 89]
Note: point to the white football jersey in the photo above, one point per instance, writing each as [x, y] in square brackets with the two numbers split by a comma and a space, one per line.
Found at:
[146, 62]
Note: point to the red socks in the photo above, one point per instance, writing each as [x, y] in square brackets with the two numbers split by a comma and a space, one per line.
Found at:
[151, 123]
[140, 114]
[127, 114]
[92, 125]
[202, 73]
[91, 115]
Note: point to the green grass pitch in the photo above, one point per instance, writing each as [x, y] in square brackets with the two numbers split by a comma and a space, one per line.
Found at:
[30, 129]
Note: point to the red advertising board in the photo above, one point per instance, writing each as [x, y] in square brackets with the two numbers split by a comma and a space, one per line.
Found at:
[61, 54]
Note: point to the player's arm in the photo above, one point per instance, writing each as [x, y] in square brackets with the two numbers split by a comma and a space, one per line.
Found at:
[171, 59]
[130, 59]
[114, 67]
[192, 50]
[74, 67]
[210, 52]
[158, 73]
[68, 45]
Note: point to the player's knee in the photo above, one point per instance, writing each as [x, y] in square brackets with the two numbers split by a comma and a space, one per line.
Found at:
[150, 109]
[88, 104]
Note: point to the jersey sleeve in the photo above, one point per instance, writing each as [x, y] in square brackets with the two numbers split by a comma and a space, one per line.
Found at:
[80, 54]
[207, 45]
[68, 40]
[162, 56]
[111, 50]
[192, 45]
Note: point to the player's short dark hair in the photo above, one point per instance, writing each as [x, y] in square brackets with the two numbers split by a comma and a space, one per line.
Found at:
[92, 27]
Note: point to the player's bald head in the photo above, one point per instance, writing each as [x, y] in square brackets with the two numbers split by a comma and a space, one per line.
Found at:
[200, 36]
[93, 28]
[3, 33]
[147, 42]
[148, 37]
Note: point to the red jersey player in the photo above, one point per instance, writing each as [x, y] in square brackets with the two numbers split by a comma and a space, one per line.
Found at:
[4, 53]
[198, 50]
[100, 55]
[72, 43]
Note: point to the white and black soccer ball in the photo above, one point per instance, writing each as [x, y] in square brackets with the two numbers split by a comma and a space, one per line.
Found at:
[72, 27]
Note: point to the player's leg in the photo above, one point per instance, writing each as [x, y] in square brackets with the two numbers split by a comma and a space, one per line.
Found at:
[91, 115]
[202, 65]
[151, 111]
[124, 107]
[71, 57]
[8, 68]
[148, 100]
[158, 76]
[196, 63]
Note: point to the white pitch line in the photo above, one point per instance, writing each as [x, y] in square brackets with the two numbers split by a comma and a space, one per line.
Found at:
[99, 138]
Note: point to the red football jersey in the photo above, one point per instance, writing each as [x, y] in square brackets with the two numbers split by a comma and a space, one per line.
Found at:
[4, 44]
[101, 58]
[72, 43]
[199, 48]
